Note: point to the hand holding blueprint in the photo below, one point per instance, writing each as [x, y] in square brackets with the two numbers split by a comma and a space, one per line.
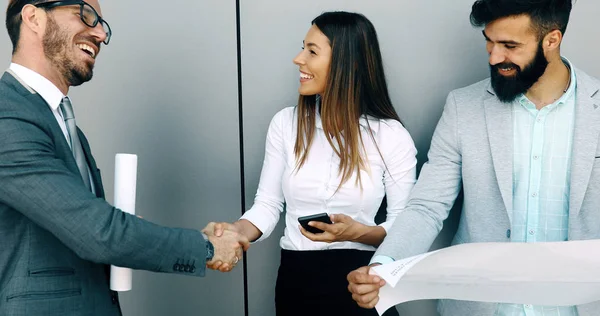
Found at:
[559, 274]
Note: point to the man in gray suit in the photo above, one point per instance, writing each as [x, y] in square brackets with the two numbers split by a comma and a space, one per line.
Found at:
[523, 147]
[57, 233]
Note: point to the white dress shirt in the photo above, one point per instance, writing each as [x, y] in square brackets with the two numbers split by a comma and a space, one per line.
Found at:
[312, 188]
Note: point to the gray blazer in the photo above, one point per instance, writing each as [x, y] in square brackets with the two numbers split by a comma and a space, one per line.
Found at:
[472, 149]
[56, 237]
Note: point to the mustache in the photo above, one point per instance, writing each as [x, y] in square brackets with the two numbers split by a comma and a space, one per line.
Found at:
[497, 67]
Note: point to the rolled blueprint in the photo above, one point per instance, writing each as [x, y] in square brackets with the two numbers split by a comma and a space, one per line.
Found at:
[125, 185]
[545, 273]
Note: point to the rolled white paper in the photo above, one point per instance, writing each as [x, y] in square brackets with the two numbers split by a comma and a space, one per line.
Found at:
[125, 185]
[542, 273]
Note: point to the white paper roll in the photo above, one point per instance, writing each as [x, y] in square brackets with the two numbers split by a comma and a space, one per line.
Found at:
[125, 185]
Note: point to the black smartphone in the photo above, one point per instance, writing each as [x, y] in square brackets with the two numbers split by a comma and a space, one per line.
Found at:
[322, 217]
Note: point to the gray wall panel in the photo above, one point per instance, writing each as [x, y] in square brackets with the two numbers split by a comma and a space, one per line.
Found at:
[581, 44]
[167, 87]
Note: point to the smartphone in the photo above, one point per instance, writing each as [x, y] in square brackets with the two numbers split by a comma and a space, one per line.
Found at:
[321, 217]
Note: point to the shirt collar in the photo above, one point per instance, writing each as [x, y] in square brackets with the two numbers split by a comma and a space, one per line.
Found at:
[570, 90]
[573, 85]
[46, 89]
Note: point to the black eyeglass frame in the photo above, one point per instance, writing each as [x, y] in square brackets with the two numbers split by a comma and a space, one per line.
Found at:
[82, 4]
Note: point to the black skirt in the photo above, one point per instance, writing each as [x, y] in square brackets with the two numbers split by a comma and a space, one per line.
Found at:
[315, 283]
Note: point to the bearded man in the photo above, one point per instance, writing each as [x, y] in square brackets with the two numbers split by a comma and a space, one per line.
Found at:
[521, 145]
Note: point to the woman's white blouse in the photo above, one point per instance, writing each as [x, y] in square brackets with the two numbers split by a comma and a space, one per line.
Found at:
[311, 189]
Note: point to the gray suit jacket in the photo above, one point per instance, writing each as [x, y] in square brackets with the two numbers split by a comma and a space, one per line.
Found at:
[56, 237]
[472, 149]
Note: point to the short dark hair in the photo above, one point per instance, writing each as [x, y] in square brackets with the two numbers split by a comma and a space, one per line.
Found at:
[13, 19]
[546, 15]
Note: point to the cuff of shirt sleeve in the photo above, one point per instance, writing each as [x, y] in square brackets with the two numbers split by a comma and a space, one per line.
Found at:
[260, 223]
[387, 225]
[381, 259]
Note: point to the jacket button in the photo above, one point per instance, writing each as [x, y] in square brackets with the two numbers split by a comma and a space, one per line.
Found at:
[193, 269]
[186, 268]
[508, 234]
[176, 267]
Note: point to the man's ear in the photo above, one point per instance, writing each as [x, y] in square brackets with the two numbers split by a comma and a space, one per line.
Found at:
[33, 19]
[552, 40]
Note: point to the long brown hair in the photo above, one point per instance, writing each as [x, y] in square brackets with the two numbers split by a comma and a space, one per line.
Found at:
[356, 88]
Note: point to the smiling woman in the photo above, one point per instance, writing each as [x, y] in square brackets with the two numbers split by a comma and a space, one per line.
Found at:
[339, 151]
[314, 61]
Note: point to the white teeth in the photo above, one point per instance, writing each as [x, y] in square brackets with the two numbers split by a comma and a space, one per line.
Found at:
[88, 49]
[305, 76]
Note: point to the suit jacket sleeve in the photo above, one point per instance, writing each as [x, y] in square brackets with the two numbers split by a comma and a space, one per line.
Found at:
[433, 196]
[35, 182]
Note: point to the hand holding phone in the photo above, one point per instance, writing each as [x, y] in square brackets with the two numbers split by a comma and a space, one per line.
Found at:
[321, 217]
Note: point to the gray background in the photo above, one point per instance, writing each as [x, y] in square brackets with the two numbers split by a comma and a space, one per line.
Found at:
[166, 89]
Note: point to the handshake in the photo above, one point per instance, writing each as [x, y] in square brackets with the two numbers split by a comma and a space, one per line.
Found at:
[228, 244]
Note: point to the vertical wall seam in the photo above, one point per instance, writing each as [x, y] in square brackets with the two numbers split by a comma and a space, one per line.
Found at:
[241, 136]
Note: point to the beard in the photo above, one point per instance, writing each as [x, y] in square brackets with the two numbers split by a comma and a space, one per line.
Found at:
[507, 89]
[56, 49]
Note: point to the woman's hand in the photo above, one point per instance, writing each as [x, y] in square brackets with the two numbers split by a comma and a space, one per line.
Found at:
[344, 228]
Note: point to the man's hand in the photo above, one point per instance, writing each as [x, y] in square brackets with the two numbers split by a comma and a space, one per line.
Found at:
[228, 250]
[364, 287]
[344, 228]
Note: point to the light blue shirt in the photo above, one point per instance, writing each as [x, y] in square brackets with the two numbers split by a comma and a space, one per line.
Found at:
[541, 180]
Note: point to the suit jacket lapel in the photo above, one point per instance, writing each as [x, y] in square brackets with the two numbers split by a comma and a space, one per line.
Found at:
[499, 124]
[32, 96]
[586, 132]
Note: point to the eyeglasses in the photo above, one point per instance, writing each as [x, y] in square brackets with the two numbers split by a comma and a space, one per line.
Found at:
[88, 14]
